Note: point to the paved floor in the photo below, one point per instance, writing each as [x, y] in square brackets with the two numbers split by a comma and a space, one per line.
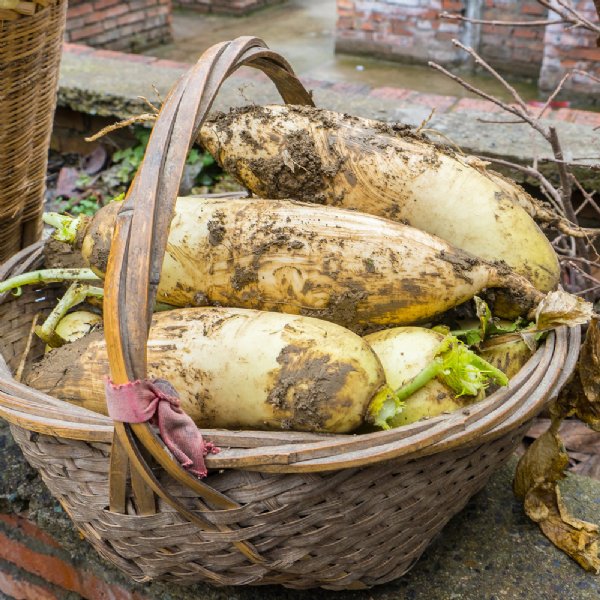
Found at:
[303, 32]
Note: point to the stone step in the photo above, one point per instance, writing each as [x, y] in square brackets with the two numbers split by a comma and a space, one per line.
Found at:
[109, 83]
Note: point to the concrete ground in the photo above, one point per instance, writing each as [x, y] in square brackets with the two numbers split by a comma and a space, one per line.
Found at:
[303, 31]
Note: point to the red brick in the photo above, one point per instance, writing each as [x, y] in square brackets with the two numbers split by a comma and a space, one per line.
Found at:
[170, 64]
[100, 4]
[77, 48]
[367, 26]
[129, 18]
[50, 568]
[60, 573]
[391, 93]
[591, 54]
[113, 11]
[475, 104]
[525, 32]
[21, 589]
[452, 5]
[440, 103]
[77, 11]
[110, 54]
[533, 8]
[86, 32]
[28, 529]
[400, 27]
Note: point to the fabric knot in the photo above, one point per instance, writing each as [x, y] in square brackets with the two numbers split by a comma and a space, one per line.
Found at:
[157, 401]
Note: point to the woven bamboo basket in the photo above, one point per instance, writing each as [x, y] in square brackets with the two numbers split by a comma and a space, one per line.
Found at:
[31, 34]
[297, 509]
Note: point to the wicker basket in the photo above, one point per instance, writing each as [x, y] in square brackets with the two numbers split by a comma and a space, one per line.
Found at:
[301, 510]
[30, 48]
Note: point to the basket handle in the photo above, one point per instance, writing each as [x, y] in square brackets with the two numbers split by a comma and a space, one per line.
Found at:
[139, 243]
[141, 231]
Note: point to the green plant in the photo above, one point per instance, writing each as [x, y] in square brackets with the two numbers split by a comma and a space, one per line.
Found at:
[80, 206]
[128, 160]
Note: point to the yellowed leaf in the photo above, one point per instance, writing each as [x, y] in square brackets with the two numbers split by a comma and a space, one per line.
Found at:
[561, 308]
[536, 479]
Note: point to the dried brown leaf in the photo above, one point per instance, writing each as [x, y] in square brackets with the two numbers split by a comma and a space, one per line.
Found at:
[561, 308]
[576, 436]
[538, 472]
[588, 407]
[544, 462]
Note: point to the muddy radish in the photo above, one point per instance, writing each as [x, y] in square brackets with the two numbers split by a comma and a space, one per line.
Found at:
[353, 269]
[321, 156]
[236, 368]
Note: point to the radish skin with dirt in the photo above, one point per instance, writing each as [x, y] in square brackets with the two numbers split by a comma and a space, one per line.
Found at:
[75, 325]
[509, 352]
[353, 269]
[321, 156]
[236, 368]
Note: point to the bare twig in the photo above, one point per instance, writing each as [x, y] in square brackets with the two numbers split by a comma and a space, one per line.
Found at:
[531, 23]
[553, 95]
[587, 291]
[157, 93]
[425, 121]
[478, 60]
[568, 13]
[583, 273]
[585, 74]
[21, 367]
[131, 121]
[153, 108]
[545, 184]
[573, 241]
[502, 122]
[579, 259]
[588, 197]
[477, 91]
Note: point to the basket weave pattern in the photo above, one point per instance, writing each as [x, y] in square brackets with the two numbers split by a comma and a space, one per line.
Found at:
[301, 510]
[30, 48]
[355, 526]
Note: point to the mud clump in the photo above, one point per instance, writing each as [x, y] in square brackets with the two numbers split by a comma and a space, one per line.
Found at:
[60, 255]
[243, 277]
[216, 229]
[342, 309]
[307, 387]
[49, 373]
[462, 264]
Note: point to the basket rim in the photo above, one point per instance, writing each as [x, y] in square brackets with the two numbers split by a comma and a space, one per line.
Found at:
[293, 452]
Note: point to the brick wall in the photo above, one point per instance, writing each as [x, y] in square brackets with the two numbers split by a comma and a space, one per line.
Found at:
[236, 7]
[118, 24]
[407, 30]
[518, 50]
[572, 49]
[33, 566]
[411, 31]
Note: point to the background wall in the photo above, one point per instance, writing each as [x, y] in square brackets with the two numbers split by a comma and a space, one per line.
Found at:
[412, 31]
[119, 24]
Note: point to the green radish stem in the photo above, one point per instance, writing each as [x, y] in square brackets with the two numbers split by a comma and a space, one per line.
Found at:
[46, 276]
[76, 294]
[459, 368]
[66, 226]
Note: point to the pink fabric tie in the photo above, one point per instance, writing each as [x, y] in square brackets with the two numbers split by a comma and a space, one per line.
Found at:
[157, 401]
